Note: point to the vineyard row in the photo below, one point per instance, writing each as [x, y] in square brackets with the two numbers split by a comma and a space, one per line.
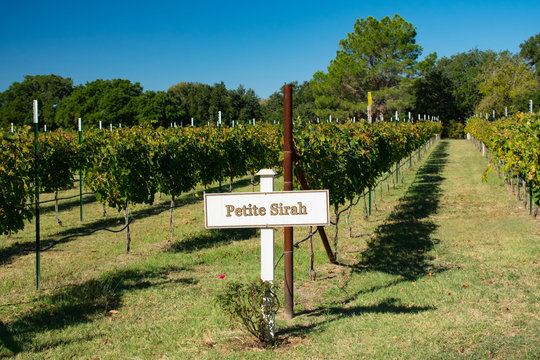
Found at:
[514, 143]
[130, 165]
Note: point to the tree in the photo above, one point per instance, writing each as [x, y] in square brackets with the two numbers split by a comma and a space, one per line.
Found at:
[16, 102]
[304, 101]
[272, 108]
[530, 51]
[433, 91]
[159, 107]
[194, 99]
[502, 81]
[110, 101]
[303, 104]
[461, 71]
[245, 105]
[220, 101]
[376, 57]
[204, 102]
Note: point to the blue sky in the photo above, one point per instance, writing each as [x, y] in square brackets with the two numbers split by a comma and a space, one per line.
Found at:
[261, 45]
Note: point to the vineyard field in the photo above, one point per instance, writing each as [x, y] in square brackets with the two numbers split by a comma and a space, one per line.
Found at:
[444, 267]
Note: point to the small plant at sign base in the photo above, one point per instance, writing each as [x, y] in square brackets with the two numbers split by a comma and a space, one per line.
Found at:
[252, 306]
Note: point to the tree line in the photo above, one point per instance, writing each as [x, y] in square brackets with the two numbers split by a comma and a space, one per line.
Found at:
[382, 57]
[378, 56]
[119, 101]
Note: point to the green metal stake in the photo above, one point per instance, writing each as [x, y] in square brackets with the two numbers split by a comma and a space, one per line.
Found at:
[80, 171]
[369, 199]
[36, 169]
[364, 207]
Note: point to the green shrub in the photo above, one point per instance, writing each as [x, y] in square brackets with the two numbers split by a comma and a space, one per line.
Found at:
[454, 130]
[246, 302]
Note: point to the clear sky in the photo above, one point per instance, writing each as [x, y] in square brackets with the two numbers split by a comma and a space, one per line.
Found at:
[259, 44]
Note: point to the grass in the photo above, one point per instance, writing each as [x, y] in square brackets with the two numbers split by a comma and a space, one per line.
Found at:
[446, 267]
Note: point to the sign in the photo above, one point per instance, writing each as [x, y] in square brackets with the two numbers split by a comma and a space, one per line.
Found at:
[267, 209]
[369, 99]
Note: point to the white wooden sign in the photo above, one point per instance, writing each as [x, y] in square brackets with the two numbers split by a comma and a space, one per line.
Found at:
[267, 209]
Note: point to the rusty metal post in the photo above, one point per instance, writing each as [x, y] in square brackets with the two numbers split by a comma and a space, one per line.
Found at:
[288, 154]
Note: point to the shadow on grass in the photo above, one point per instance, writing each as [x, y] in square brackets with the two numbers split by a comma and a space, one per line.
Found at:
[336, 312]
[65, 205]
[78, 303]
[211, 238]
[401, 245]
[16, 249]
[389, 305]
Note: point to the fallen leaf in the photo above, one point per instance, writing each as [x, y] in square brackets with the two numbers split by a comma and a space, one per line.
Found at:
[114, 312]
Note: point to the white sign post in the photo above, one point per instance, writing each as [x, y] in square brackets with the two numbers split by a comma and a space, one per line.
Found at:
[267, 235]
[267, 209]
[267, 250]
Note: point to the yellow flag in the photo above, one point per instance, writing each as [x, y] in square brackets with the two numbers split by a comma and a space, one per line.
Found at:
[369, 99]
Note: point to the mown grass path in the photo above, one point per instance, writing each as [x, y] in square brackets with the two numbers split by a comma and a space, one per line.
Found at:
[446, 267]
